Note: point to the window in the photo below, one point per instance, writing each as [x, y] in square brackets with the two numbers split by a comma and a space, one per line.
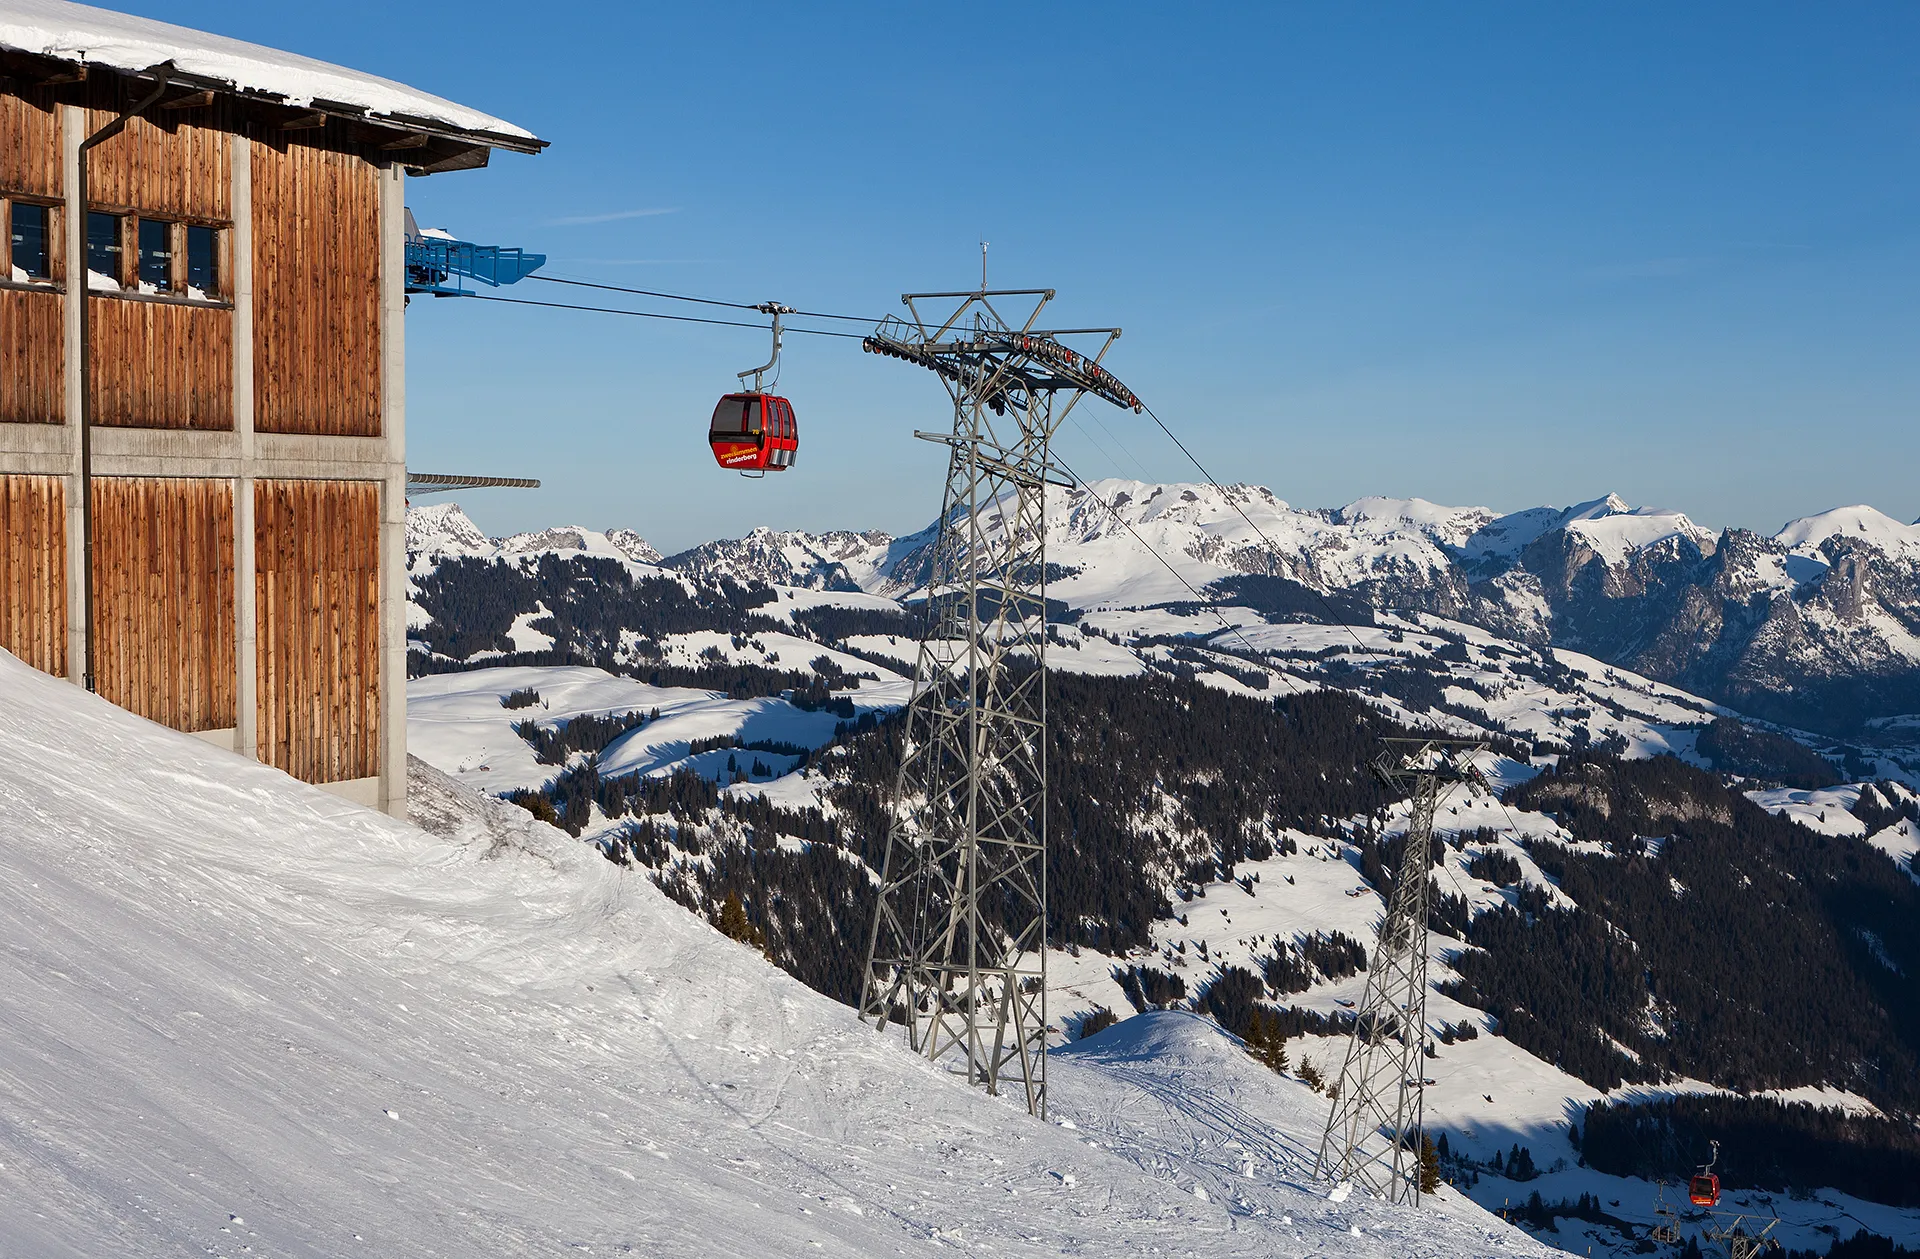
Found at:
[729, 418]
[32, 238]
[156, 256]
[103, 250]
[153, 257]
[203, 266]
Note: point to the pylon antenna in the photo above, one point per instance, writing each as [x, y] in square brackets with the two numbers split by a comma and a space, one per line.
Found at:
[1381, 1092]
[958, 952]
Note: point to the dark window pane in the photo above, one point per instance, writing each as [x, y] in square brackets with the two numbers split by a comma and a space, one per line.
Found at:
[103, 245]
[201, 268]
[31, 259]
[156, 254]
[753, 416]
[729, 417]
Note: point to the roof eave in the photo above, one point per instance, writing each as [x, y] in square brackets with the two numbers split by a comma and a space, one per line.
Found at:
[406, 123]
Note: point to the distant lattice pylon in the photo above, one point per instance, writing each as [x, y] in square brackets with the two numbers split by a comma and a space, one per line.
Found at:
[1373, 1133]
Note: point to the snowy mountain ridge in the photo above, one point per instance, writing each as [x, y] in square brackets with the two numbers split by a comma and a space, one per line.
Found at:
[1333, 547]
[443, 530]
[1817, 625]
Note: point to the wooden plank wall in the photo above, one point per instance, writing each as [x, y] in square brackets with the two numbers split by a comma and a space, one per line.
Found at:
[163, 577]
[30, 154]
[170, 163]
[32, 325]
[316, 290]
[33, 357]
[161, 365]
[33, 570]
[317, 617]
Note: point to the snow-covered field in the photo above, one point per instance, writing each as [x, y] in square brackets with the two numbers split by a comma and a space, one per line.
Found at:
[456, 722]
[245, 1017]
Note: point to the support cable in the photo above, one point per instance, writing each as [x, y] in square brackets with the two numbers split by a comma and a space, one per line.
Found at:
[1326, 603]
[682, 297]
[650, 314]
[1271, 544]
[1413, 828]
[1212, 605]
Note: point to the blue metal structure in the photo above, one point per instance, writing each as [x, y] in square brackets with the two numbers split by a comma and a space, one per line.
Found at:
[448, 268]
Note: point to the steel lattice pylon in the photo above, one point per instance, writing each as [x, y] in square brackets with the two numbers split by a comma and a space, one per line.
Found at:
[958, 948]
[1381, 1090]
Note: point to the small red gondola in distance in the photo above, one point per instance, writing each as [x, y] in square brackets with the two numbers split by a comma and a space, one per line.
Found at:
[1704, 1189]
[754, 432]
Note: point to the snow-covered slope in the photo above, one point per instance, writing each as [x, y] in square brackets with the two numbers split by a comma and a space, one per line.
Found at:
[456, 723]
[247, 1017]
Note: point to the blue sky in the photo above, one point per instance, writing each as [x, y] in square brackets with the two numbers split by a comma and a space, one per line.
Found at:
[1497, 253]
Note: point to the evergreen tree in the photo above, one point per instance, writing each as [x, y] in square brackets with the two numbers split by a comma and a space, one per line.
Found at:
[1429, 1166]
[1098, 1021]
[731, 918]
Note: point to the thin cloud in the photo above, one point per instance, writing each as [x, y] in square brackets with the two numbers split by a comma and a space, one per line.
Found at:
[582, 220]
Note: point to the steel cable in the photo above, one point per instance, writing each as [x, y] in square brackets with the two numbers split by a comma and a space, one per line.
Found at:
[651, 314]
[682, 297]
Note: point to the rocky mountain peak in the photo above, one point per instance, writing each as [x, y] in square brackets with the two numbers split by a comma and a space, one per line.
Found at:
[444, 529]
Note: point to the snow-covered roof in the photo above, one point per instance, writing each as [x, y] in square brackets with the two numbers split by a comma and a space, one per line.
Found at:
[120, 41]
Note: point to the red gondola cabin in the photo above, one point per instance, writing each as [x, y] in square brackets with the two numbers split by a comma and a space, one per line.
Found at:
[1704, 1189]
[754, 432]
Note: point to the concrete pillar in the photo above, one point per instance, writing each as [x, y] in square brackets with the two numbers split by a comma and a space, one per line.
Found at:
[73, 129]
[393, 498]
[240, 285]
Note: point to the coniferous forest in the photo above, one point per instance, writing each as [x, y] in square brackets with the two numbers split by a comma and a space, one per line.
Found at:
[1678, 949]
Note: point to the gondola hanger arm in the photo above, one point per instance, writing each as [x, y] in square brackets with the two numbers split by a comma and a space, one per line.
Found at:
[778, 311]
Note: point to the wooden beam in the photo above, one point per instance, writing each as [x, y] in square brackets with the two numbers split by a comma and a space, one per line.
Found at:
[193, 100]
[418, 140]
[305, 122]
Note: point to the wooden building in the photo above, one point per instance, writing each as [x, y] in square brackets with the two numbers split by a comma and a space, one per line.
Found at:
[243, 244]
